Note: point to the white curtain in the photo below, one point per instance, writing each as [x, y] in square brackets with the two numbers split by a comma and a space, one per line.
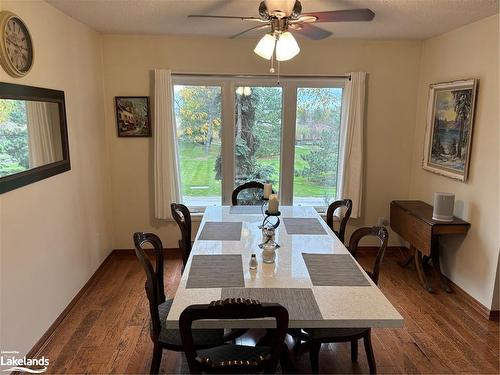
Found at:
[41, 142]
[166, 171]
[353, 114]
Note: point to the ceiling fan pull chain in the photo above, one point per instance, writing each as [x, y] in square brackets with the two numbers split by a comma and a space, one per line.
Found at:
[278, 72]
[271, 69]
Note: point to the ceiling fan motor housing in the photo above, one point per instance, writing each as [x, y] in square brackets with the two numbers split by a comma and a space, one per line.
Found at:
[263, 11]
[297, 10]
[280, 8]
[279, 18]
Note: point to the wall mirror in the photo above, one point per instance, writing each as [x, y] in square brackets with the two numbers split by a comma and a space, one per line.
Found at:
[33, 135]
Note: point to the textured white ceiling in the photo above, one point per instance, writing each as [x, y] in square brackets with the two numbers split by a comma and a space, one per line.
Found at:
[415, 19]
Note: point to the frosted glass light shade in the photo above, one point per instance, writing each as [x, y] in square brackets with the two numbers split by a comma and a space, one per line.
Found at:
[239, 90]
[265, 47]
[286, 47]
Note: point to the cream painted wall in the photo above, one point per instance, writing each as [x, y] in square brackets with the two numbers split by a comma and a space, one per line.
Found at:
[393, 75]
[468, 52]
[54, 233]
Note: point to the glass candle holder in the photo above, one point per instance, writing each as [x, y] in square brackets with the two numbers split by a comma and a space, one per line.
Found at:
[269, 252]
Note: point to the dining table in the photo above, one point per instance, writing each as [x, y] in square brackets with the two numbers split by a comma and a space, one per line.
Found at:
[314, 276]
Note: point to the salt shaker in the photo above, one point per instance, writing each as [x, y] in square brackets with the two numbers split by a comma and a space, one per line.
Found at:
[253, 262]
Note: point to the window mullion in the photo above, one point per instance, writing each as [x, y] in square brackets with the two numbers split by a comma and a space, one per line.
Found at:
[227, 139]
[288, 142]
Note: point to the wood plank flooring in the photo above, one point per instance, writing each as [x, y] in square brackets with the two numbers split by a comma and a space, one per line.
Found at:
[108, 329]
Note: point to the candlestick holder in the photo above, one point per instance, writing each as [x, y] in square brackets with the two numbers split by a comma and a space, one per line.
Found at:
[269, 228]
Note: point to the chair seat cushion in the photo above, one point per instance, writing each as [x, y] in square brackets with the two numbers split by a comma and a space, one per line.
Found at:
[201, 337]
[325, 333]
[234, 352]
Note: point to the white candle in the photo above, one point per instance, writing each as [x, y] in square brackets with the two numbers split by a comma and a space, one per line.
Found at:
[273, 204]
[268, 190]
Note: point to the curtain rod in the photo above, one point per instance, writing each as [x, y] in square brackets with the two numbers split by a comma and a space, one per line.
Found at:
[225, 75]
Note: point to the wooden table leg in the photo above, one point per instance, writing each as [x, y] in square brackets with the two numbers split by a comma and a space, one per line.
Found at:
[420, 271]
[409, 258]
[436, 264]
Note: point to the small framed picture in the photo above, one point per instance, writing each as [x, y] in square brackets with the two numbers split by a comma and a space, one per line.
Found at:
[450, 121]
[132, 116]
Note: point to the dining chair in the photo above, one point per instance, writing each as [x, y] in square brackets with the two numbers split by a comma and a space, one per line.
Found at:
[159, 306]
[248, 194]
[182, 217]
[344, 203]
[233, 359]
[317, 336]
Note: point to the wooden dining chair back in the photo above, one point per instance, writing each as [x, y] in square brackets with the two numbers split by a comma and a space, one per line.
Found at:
[182, 217]
[379, 232]
[159, 306]
[315, 337]
[234, 358]
[330, 213]
[248, 194]
[154, 276]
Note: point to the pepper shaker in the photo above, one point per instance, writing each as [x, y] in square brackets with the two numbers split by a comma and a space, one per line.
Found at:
[253, 262]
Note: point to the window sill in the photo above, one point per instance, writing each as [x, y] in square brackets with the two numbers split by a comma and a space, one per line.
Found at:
[196, 217]
[197, 214]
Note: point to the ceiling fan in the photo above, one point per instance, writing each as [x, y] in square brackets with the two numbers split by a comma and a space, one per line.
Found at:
[283, 16]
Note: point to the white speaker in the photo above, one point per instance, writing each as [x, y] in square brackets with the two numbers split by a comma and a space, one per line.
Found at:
[443, 206]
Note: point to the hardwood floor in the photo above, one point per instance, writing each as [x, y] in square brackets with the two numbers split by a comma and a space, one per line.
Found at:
[107, 331]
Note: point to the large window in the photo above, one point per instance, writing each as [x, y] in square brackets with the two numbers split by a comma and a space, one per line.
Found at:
[231, 131]
[257, 134]
[198, 120]
[317, 135]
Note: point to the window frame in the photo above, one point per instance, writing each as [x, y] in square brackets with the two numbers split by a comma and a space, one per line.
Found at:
[228, 85]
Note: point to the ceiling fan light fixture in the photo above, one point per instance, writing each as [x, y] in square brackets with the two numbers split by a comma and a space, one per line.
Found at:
[286, 47]
[245, 91]
[265, 47]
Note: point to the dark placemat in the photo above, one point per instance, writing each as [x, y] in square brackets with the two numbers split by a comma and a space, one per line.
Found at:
[299, 302]
[249, 210]
[221, 231]
[303, 225]
[216, 271]
[334, 270]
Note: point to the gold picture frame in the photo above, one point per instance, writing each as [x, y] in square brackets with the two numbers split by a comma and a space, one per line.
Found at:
[450, 123]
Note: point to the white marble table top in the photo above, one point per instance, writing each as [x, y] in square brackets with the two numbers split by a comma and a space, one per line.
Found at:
[340, 306]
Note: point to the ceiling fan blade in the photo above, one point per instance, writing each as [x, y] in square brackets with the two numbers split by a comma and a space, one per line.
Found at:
[258, 27]
[348, 15]
[227, 17]
[312, 32]
[305, 18]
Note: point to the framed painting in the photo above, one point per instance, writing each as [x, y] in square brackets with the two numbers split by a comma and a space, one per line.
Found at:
[132, 116]
[450, 121]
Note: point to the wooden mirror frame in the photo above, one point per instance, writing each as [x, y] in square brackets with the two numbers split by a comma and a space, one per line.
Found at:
[21, 92]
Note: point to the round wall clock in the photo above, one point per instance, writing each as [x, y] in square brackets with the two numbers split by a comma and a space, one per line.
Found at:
[16, 46]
